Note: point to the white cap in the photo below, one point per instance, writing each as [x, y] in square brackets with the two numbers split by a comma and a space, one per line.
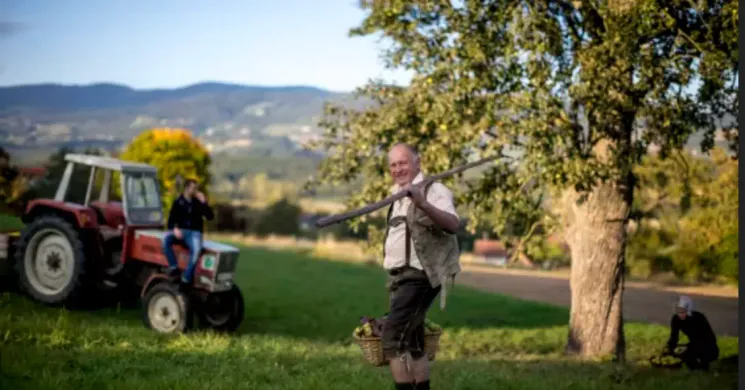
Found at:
[685, 302]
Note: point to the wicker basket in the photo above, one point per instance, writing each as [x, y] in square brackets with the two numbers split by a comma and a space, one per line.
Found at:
[372, 348]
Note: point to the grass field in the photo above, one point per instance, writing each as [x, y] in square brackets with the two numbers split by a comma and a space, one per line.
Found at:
[9, 223]
[300, 313]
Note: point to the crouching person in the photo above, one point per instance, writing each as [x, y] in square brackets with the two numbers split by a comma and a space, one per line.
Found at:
[702, 348]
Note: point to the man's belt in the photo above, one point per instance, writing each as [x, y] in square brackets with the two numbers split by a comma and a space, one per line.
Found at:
[395, 271]
[399, 270]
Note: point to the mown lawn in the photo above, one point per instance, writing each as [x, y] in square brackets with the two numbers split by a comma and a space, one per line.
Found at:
[9, 223]
[296, 335]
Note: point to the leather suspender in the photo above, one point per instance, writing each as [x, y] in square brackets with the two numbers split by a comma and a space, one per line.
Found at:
[387, 226]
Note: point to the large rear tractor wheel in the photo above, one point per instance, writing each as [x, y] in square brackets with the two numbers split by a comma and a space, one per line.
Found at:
[50, 261]
[222, 311]
[165, 309]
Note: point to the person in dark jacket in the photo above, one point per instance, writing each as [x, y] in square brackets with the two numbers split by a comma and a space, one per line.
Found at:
[702, 346]
[185, 224]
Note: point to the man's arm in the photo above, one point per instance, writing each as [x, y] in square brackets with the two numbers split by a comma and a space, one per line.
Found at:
[173, 216]
[207, 210]
[439, 207]
[204, 206]
[441, 218]
[672, 341]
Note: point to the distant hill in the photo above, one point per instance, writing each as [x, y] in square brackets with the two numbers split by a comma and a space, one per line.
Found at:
[231, 120]
[61, 98]
[227, 117]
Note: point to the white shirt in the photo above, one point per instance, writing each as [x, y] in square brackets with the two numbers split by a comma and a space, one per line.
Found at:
[438, 196]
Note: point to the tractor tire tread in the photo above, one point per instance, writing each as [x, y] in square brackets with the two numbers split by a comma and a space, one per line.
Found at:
[236, 318]
[184, 305]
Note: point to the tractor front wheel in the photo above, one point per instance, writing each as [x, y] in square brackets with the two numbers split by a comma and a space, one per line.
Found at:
[166, 308]
[223, 311]
[50, 261]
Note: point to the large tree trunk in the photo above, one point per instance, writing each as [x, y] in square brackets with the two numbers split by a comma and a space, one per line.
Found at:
[596, 233]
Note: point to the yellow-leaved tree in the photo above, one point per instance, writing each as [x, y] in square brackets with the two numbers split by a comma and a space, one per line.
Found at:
[174, 152]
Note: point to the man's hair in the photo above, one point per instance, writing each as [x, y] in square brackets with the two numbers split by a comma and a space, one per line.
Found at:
[411, 149]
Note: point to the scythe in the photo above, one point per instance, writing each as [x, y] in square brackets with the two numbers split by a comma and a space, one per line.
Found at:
[336, 218]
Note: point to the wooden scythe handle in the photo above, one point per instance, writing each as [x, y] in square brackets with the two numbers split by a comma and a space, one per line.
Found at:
[336, 218]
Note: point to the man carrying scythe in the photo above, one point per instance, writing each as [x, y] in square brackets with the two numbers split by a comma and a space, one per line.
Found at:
[420, 255]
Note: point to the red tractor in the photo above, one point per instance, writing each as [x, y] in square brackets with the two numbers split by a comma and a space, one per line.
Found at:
[70, 251]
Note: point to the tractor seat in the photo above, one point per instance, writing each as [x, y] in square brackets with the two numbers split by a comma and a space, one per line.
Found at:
[110, 214]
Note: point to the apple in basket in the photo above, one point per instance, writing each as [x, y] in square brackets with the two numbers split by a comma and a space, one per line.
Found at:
[370, 327]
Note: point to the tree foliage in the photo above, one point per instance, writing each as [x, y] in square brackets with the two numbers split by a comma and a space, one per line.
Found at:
[571, 94]
[551, 80]
[687, 218]
[12, 183]
[281, 217]
[173, 152]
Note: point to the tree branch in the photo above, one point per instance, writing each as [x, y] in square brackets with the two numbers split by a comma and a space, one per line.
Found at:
[521, 242]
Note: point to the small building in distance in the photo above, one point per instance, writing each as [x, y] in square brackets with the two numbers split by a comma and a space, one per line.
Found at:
[489, 251]
[495, 252]
[32, 174]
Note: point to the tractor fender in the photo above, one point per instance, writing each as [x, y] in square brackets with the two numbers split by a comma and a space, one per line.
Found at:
[151, 281]
[76, 215]
[82, 218]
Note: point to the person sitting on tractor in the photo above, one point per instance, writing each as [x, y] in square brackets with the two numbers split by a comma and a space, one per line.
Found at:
[702, 346]
[185, 225]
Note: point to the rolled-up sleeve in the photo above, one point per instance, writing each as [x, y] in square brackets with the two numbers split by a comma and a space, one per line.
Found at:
[441, 197]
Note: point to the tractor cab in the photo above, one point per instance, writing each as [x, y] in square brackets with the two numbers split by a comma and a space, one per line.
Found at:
[138, 191]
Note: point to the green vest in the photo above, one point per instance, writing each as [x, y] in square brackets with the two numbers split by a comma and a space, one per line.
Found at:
[436, 248]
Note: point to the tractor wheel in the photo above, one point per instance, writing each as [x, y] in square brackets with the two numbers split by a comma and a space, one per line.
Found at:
[50, 261]
[223, 311]
[165, 308]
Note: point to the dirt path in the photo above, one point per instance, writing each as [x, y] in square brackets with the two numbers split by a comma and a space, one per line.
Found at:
[641, 303]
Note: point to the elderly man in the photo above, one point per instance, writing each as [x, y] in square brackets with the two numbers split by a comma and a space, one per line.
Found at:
[420, 255]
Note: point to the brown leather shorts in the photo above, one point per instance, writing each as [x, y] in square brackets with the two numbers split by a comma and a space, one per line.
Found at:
[411, 295]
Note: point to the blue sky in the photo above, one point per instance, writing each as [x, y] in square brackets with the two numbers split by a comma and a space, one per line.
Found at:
[172, 43]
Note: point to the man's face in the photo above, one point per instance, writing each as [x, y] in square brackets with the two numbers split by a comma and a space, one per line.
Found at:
[190, 189]
[402, 166]
[681, 313]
